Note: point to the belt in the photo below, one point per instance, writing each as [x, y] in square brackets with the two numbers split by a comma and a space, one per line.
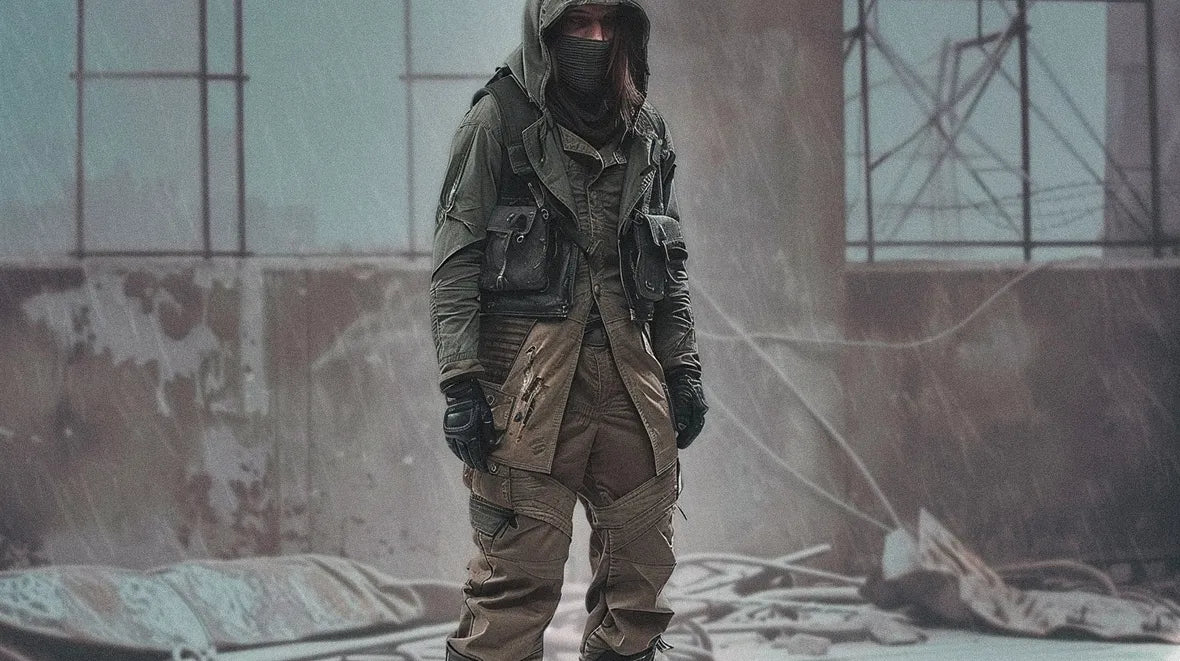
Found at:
[595, 335]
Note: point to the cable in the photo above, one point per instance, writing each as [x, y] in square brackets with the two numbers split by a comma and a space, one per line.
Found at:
[716, 401]
[798, 392]
[750, 561]
[913, 344]
[1098, 575]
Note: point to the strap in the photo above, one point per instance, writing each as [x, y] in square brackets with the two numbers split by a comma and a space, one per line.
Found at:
[657, 190]
[568, 230]
[517, 113]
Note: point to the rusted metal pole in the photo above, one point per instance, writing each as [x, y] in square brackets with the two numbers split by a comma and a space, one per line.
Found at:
[1153, 130]
[867, 137]
[79, 136]
[1025, 130]
[203, 109]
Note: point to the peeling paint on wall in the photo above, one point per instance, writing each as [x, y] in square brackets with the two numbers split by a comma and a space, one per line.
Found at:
[133, 318]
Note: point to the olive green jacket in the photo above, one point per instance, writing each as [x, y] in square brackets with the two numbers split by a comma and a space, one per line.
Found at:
[526, 366]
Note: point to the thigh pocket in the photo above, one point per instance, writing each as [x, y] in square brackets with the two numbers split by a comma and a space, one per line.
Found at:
[508, 534]
[532, 546]
[490, 519]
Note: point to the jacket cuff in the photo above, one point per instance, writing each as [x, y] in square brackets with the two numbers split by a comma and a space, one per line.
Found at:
[459, 370]
[689, 363]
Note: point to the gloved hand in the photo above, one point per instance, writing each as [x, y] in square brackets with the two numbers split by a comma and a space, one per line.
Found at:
[688, 404]
[467, 424]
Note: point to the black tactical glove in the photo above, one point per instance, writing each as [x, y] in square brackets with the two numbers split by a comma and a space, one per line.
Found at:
[467, 424]
[688, 404]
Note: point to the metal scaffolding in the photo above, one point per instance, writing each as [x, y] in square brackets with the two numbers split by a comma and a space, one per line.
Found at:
[238, 78]
[939, 100]
[203, 77]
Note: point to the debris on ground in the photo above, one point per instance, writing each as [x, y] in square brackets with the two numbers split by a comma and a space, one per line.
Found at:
[316, 608]
[938, 576]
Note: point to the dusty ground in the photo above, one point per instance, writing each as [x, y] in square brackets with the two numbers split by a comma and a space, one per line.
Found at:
[967, 646]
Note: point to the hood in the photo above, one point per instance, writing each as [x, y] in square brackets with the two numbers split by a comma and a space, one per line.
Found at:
[531, 62]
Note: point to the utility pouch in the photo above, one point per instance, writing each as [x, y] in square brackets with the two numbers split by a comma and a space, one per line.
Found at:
[655, 246]
[517, 250]
[529, 265]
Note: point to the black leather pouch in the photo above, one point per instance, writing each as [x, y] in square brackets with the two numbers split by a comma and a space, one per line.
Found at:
[516, 251]
[655, 246]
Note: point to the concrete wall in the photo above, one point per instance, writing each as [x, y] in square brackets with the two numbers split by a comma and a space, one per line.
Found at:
[157, 410]
[154, 410]
[1039, 421]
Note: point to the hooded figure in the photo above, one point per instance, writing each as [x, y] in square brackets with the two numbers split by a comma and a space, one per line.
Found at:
[564, 332]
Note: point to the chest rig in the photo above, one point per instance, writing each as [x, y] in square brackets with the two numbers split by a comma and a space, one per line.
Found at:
[532, 248]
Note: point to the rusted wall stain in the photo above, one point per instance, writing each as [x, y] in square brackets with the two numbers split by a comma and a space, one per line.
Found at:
[1043, 428]
[117, 374]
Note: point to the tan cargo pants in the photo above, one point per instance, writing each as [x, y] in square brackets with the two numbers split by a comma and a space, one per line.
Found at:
[523, 525]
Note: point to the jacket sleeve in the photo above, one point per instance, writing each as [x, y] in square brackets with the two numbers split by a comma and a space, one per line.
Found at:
[468, 196]
[673, 336]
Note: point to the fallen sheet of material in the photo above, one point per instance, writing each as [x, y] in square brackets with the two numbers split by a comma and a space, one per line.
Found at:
[301, 608]
[189, 610]
[938, 575]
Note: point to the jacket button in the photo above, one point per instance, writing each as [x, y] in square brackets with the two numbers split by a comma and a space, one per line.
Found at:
[597, 290]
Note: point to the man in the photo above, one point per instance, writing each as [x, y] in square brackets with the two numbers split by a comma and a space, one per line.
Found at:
[563, 327]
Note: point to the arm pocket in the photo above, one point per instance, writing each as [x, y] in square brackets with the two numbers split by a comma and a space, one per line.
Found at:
[517, 250]
[657, 246]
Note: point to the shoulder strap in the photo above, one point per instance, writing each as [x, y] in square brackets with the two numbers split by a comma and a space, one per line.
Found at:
[658, 190]
[517, 113]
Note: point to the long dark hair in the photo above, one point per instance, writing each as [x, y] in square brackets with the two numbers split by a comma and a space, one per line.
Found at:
[627, 64]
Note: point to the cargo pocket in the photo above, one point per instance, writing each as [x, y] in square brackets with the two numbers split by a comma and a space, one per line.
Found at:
[656, 246]
[516, 250]
[513, 540]
[490, 519]
[491, 502]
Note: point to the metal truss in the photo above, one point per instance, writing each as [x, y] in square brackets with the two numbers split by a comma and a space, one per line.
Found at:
[940, 101]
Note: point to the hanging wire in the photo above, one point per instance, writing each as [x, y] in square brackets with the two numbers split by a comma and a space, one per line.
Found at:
[715, 401]
[798, 392]
[912, 344]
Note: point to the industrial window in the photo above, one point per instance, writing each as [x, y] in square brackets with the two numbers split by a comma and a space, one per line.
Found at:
[223, 127]
[1004, 130]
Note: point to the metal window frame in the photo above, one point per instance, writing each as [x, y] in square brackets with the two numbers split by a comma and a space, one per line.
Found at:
[411, 77]
[239, 78]
[203, 76]
[859, 36]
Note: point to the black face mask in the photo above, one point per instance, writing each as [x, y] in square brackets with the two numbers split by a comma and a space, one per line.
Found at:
[583, 65]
